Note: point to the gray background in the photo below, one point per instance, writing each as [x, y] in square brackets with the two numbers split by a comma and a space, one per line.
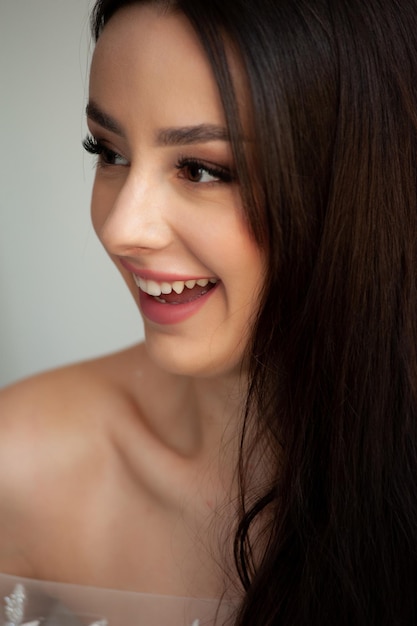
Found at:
[61, 300]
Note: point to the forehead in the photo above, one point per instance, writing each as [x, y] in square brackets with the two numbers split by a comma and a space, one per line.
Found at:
[151, 62]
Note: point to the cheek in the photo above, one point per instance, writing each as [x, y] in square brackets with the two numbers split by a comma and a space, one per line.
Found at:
[101, 204]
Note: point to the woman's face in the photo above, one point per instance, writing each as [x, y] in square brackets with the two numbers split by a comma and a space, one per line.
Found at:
[166, 205]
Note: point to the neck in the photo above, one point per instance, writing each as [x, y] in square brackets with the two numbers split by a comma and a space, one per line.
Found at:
[188, 416]
[201, 416]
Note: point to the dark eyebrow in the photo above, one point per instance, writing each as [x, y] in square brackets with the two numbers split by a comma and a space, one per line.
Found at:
[185, 135]
[104, 120]
[175, 136]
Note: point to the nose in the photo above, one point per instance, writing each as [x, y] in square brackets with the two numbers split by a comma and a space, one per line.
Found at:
[136, 218]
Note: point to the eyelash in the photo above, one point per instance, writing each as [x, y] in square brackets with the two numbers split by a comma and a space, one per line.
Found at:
[222, 174]
[93, 146]
[185, 164]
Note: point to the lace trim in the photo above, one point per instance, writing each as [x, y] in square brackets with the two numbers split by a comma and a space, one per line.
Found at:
[14, 612]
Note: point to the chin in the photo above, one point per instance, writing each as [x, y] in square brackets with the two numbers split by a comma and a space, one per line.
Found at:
[194, 361]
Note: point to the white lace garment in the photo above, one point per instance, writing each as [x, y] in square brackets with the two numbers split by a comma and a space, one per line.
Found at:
[28, 602]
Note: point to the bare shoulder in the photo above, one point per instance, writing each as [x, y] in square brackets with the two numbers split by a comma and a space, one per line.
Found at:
[66, 409]
[55, 443]
[66, 397]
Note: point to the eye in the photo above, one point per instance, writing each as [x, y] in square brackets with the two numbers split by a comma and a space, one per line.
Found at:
[196, 171]
[105, 154]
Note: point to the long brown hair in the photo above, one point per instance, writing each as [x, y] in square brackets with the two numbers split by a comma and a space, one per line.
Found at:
[331, 194]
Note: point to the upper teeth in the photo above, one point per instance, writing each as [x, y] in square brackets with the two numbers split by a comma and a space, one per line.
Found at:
[152, 288]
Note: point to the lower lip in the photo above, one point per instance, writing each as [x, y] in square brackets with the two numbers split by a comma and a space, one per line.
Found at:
[160, 313]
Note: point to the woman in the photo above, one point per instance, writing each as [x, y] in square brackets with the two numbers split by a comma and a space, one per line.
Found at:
[256, 188]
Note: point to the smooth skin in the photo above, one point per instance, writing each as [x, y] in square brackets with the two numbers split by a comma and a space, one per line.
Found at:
[119, 472]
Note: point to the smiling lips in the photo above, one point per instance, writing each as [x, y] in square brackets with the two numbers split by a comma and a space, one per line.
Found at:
[176, 292]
